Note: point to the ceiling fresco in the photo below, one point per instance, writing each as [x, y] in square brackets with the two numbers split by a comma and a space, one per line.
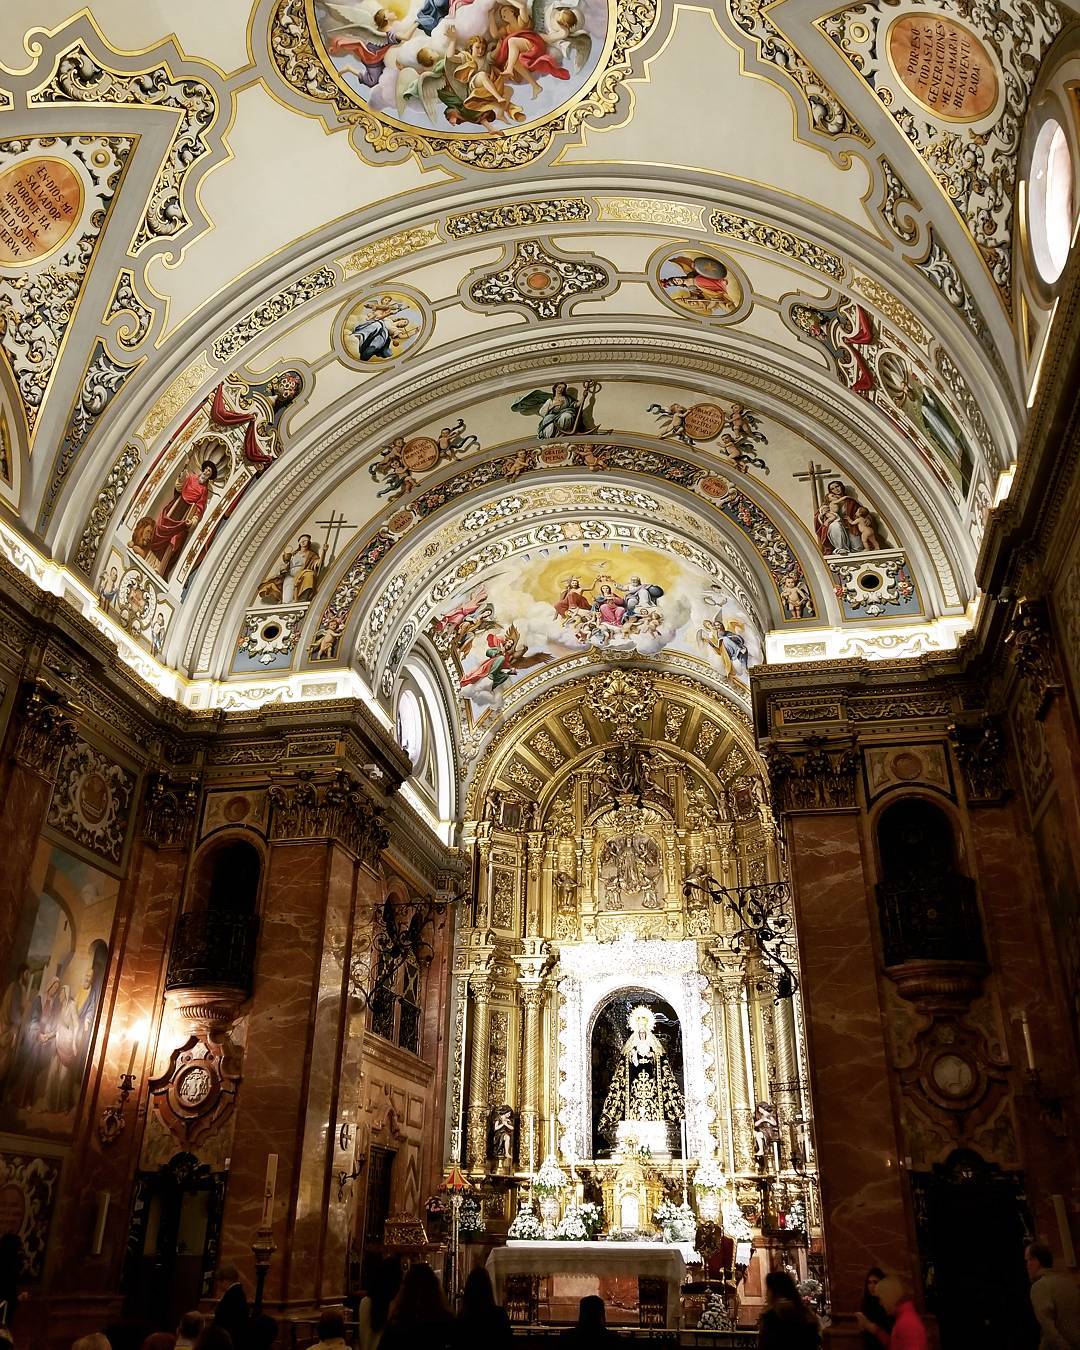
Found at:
[519, 338]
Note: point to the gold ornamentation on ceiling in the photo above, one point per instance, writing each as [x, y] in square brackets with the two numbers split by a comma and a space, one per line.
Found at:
[109, 493]
[518, 215]
[827, 114]
[264, 316]
[650, 211]
[540, 279]
[81, 78]
[968, 143]
[892, 308]
[102, 380]
[622, 698]
[126, 300]
[503, 137]
[394, 246]
[775, 240]
[184, 388]
[79, 177]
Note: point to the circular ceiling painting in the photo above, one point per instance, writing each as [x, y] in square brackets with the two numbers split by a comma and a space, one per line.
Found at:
[464, 66]
[489, 82]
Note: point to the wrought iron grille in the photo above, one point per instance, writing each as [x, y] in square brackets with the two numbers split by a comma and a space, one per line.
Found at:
[213, 948]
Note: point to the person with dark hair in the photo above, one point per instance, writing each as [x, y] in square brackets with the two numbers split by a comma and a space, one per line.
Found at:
[591, 1331]
[419, 1315]
[481, 1321]
[331, 1330]
[787, 1323]
[232, 1313]
[1055, 1299]
[375, 1305]
[187, 1333]
[875, 1324]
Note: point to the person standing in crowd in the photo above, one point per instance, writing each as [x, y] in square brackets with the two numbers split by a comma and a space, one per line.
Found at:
[482, 1322]
[1055, 1298]
[331, 1331]
[187, 1333]
[591, 1331]
[375, 1305]
[908, 1332]
[875, 1324]
[787, 1323]
[232, 1312]
[419, 1315]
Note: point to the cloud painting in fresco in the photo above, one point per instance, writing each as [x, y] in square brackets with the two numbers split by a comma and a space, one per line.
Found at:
[632, 599]
[464, 66]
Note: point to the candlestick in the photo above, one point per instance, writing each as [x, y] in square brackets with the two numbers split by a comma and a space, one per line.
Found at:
[269, 1186]
[532, 1146]
[1029, 1049]
[131, 1061]
[551, 1134]
[682, 1127]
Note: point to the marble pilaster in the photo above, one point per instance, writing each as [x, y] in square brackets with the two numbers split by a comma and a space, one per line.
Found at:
[862, 1188]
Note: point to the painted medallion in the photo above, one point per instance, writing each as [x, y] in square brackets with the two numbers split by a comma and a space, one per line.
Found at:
[464, 66]
[382, 326]
[699, 282]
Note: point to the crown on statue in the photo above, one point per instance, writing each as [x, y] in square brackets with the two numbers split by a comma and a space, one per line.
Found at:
[641, 1011]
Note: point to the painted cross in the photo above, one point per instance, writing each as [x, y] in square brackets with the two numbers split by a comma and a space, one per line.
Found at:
[816, 475]
[335, 525]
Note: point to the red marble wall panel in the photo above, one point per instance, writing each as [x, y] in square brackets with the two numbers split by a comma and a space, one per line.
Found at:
[862, 1186]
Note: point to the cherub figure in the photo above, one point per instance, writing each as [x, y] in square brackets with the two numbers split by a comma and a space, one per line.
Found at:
[673, 428]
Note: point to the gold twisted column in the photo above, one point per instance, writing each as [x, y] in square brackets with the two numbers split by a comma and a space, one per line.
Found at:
[532, 998]
[478, 1070]
[742, 1107]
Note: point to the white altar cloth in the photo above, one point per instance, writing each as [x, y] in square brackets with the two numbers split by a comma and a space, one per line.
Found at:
[663, 1260]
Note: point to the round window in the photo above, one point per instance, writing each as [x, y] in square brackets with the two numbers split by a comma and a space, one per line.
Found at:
[1051, 212]
[410, 726]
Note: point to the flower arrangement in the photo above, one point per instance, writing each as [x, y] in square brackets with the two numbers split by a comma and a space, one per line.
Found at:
[572, 1227]
[471, 1218]
[716, 1316]
[526, 1227]
[735, 1225]
[709, 1177]
[676, 1222]
[551, 1179]
[810, 1289]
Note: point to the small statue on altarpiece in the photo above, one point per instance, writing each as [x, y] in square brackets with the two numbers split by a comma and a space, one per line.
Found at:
[503, 1124]
[766, 1128]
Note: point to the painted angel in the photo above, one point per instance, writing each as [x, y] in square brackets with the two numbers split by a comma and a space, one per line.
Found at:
[673, 427]
[565, 31]
[360, 30]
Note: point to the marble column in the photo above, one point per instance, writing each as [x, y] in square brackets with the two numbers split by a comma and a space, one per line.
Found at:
[478, 1070]
[862, 1189]
[287, 1103]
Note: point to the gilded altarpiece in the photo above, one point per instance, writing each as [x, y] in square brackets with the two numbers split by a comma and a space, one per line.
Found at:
[590, 891]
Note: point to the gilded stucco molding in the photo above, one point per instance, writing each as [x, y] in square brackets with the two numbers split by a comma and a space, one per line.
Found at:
[271, 311]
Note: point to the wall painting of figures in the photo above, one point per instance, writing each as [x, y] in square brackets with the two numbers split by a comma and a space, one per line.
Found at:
[463, 67]
[52, 991]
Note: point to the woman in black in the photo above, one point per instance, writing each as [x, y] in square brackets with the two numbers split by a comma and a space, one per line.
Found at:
[482, 1323]
[419, 1316]
[787, 1323]
[874, 1322]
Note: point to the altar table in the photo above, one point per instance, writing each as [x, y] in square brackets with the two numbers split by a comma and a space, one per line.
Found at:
[661, 1260]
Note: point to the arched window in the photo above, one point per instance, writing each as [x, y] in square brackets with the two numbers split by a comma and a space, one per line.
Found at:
[1051, 200]
[410, 726]
[214, 942]
[227, 878]
[928, 909]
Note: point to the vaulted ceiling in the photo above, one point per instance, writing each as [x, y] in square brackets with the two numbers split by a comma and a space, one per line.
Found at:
[510, 340]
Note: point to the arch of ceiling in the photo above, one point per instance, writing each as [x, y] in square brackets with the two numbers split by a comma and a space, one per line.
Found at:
[535, 748]
[342, 468]
[876, 327]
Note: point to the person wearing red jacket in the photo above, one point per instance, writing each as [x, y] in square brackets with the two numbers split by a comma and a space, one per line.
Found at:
[908, 1332]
